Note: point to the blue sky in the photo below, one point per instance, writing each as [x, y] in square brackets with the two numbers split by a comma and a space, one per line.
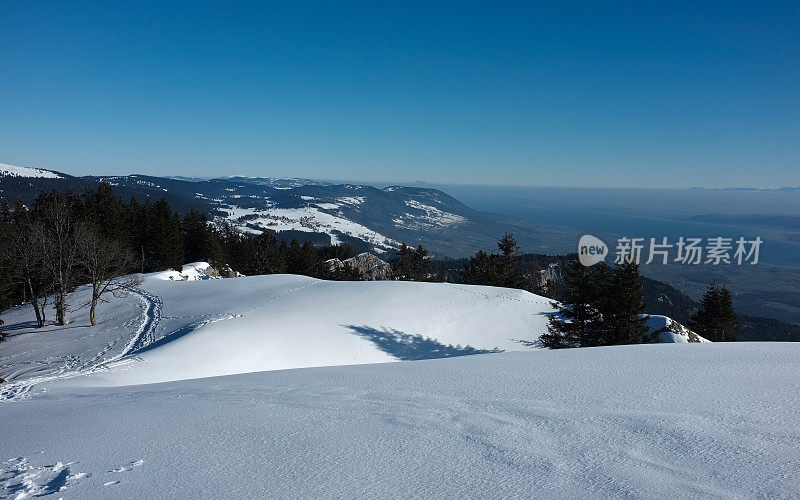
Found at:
[671, 94]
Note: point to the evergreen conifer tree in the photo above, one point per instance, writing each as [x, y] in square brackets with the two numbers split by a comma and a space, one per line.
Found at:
[506, 263]
[716, 319]
[622, 306]
[577, 320]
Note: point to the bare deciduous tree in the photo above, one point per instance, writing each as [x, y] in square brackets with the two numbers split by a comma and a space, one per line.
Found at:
[54, 234]
[25, 256]
[105, 263]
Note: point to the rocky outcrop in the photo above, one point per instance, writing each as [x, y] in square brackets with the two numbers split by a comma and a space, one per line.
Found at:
[369, 265]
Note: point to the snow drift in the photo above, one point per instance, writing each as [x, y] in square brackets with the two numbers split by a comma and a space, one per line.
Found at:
[652, 421]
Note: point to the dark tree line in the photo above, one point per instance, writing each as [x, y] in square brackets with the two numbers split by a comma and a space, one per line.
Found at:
[504, 269]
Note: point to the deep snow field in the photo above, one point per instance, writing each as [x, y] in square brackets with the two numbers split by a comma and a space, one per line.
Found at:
[301, 401]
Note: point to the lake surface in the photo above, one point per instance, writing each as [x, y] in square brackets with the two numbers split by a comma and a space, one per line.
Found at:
[612, 213]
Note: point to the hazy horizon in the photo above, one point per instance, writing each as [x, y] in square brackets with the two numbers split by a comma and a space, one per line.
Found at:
[417, 182]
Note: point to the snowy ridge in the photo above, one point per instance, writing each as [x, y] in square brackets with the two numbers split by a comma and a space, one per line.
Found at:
[430, 219]
[32, 172]
[274, 182]
[308, 219]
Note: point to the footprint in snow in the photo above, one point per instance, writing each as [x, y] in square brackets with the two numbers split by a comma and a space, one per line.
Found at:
[21, 479]
[123, 468]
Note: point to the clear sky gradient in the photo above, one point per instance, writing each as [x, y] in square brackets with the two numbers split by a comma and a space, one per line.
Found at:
[642, 94]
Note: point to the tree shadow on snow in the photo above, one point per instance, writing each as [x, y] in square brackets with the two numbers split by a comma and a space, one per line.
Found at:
[23, 325]
[408, 347]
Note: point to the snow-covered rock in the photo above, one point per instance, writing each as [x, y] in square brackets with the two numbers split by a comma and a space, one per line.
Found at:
[189, 272]
[671, 331]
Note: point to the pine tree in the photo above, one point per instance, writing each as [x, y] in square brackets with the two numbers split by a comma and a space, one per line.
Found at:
[728, 319]
[506, 264]
[268, 255]
[577, 321]
[136, 219]
[412, 264]
[480, 270]
[599, 306]
[493, 269]
[106, 212]
[422, 265]
[198, 237]
[716, 320]
[622, 307]
[294, 259]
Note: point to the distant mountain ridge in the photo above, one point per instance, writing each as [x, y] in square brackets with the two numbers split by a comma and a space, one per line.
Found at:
[371, 218]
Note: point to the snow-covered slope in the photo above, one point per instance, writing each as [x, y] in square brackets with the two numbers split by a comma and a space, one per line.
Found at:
[177, 329]
[31, 172]
[83, 418]
[655, 421]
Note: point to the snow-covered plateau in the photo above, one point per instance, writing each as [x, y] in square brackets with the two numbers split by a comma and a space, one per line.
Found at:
[285, 386]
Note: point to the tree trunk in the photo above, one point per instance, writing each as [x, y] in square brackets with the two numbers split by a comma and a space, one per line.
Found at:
[35, 304]
[39, 319]
[91, 311]
[43, 310]
[61, 308]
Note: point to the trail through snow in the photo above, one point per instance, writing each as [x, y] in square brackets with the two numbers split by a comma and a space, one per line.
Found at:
[141, 337]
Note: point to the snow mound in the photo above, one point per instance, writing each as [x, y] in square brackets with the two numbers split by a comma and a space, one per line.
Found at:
[187, 324]
[7, 170]
[275, 322]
